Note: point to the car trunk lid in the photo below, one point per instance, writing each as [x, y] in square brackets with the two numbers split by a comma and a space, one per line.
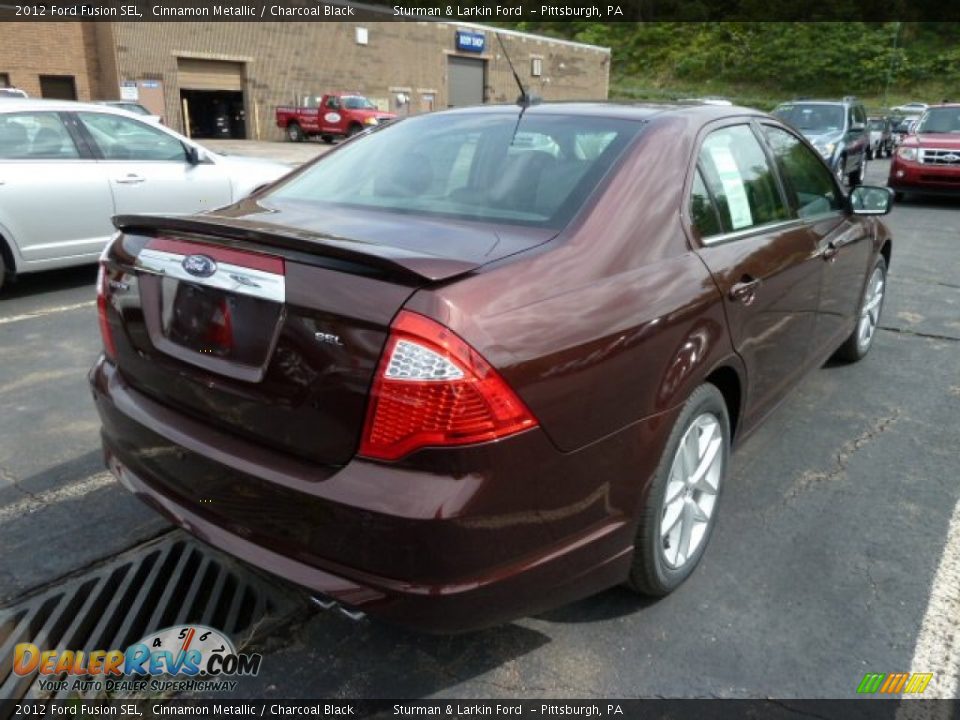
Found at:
[268, 331]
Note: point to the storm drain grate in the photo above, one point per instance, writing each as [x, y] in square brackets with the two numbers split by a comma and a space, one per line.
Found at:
[171, 581]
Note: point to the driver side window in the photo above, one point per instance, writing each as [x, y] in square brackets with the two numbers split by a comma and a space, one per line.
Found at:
[121, 138]
[806, 175]
[333, 103]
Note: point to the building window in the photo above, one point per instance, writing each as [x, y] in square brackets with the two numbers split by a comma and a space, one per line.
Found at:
[362, 36]
[4, 79]
[536, 66]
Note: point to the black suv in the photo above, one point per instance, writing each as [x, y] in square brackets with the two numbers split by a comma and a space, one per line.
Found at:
[837, 129]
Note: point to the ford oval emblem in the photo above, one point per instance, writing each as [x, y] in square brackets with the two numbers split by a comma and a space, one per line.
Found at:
[199, 265]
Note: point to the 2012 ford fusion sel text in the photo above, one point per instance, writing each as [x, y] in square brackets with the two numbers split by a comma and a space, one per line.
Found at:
[483, 362]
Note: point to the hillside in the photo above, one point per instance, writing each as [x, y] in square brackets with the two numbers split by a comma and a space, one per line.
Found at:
[762, 63]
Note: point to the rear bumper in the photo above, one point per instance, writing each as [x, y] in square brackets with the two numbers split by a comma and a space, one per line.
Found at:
[920, 178]
[433, 546]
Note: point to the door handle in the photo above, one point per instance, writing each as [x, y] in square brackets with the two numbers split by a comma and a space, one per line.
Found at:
[130, 179]
[830, 251]
[746, 290]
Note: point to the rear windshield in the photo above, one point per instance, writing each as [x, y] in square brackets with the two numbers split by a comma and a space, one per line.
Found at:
[538, 171]
[812, 118]
[940, 120]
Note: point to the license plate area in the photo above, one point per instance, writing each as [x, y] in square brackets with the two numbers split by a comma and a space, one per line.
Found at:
[217, 308]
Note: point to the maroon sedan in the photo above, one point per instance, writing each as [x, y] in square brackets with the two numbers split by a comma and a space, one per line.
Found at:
[483, 362]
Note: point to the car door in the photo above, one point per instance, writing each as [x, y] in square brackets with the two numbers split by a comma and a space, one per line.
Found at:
[761, 257]
[331, 116]
[843, 246]
[148, 168]
[54, 202]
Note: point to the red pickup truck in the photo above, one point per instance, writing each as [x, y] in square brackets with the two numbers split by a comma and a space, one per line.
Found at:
[336, 115]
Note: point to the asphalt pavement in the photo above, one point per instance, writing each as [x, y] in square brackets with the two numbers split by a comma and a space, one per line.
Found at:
[836, 550]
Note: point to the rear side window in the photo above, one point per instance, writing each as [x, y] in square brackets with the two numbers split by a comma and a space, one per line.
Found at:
[35, 136]
[703, 212]
[809, 180]
[740, 178]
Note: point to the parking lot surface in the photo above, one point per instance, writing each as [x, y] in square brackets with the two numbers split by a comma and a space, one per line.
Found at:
[835, 554]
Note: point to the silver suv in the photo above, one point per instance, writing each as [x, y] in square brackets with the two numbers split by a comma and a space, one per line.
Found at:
[837, 129]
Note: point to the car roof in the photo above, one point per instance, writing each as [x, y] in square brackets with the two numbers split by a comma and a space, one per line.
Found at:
[821, 102]
[627, 111]
[28, 104]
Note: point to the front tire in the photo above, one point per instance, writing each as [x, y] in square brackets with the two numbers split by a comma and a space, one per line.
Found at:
[857, 346]
[354, 130]
[859, 175]
[328, 139]
[679, 514]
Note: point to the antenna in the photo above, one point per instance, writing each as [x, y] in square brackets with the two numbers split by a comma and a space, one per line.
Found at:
[526, 99]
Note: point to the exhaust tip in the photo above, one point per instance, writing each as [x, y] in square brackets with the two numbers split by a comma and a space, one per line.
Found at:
[326, 603]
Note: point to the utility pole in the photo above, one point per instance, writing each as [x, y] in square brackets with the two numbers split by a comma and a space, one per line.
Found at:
[893, 60]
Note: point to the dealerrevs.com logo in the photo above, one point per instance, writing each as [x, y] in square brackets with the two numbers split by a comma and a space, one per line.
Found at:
[179, 658]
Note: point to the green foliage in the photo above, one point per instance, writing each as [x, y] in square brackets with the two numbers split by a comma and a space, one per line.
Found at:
[774, 60]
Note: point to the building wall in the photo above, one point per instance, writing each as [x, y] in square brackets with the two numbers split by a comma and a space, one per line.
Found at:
[29, 50]
[284, 61]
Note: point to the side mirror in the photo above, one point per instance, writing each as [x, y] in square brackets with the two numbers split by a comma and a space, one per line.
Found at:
[870, 200]
[195, 156]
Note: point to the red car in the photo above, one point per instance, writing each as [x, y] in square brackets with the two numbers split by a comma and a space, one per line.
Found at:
[483, 362]
[928, 160]
[337, 115]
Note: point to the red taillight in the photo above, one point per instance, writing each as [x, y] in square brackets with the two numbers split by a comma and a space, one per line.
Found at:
[432, 389]
[109, 347]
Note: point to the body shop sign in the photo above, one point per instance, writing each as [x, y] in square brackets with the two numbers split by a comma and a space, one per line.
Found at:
[470, 41]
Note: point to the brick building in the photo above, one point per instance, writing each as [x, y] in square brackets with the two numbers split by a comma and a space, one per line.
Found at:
[242, 70]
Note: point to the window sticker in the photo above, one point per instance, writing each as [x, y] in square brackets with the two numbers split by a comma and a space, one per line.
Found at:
[732, 180]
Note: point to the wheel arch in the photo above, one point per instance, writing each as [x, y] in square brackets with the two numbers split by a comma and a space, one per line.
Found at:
[727, 380]
[886, 250]
[6, 252]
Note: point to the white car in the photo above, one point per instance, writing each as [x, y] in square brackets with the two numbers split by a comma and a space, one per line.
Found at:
[67, 168]
[133, 107]
[9, 92]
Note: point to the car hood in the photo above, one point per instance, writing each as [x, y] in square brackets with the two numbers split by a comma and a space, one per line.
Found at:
[378, 114]
[248, 174]
[822, 138]
[935, 140]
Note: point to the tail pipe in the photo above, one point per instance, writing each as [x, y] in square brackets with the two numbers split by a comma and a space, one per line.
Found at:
[327, 603]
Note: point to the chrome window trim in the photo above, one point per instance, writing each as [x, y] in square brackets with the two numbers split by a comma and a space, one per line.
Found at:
[752, 230]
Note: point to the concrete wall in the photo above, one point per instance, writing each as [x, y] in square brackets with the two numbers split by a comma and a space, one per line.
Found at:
[29, 50]
[287, 60]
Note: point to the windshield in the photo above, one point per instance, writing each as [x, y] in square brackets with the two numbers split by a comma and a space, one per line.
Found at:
[135, 108]
[940, 120]
[814, 119]
[355, 102]
[469, 166]
[876, 124]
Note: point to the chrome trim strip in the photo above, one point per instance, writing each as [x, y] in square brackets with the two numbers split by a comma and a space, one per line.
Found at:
[228, 277]
[752, 230]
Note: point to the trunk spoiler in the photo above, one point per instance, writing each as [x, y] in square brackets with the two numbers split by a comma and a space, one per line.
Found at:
[411, 266]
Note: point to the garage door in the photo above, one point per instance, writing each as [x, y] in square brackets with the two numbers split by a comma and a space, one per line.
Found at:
[209, 74]
[465, 79]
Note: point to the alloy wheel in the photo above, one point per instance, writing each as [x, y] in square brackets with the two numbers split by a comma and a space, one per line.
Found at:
[870, 312]
[691, 492]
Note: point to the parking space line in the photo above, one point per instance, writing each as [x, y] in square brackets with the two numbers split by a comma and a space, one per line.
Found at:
[46, 311]
[34, 502]
[938, 645]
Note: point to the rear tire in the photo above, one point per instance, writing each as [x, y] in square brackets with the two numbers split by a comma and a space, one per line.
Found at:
[295, 133]
[684, 492]
[857, 346]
